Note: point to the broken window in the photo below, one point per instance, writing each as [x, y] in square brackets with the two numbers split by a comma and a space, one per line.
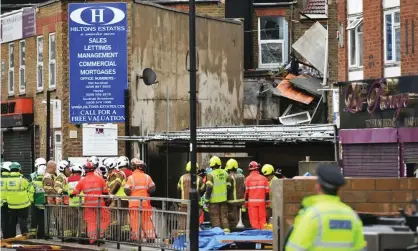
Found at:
[271, 40]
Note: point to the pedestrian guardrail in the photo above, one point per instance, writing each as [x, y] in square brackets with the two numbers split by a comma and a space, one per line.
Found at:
[122, 220]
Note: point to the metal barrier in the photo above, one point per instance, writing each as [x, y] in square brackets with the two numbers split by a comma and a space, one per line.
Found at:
[122, 220]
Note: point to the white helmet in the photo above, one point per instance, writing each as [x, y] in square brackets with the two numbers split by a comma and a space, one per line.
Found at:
[94, 160]
[41, 170]
[103, 170]
[40, 161]
[6, 165]
[110, 163]
[76, 168]
[122, 162]
[63, 164]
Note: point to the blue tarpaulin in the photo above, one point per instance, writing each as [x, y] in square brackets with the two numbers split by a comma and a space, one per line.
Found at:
[212, 239]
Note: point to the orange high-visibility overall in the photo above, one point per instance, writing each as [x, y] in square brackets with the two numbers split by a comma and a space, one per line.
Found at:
[139, 183]
[93, 185]
[257, 191]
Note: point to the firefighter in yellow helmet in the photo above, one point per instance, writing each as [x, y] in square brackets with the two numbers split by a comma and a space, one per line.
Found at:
[236, 192]
[216, 194]
[183, 187]
[268, 172]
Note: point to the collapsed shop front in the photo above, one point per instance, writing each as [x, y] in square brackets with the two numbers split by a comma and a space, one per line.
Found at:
[379, 127]
[17, 132]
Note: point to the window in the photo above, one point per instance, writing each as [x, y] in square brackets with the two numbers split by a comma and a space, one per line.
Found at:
[52, 66]
[271, 41]
[355, 42]
[22, 76]
[392, 36]
[11, 68]
[40, 64]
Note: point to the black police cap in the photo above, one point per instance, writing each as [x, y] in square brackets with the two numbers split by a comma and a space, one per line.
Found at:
[330, 176]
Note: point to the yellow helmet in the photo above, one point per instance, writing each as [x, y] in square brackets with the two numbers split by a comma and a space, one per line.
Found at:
[267, 169]
[231, 164]
[215, 161]
[189, 166]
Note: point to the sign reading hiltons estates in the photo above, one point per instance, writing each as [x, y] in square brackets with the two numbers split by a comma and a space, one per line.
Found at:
[98, 62]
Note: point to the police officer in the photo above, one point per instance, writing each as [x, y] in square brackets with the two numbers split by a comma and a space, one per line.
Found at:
[216, 194]
[5, 217]
[18, 199]
[324, 222]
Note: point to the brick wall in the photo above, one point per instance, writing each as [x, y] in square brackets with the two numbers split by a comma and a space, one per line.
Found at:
[409, 58]
[210, 9]
[373, 38]
[363, 195]
[342, 51]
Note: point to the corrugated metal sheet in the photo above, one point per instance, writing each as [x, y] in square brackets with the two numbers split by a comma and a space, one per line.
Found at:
[286, 90]
[371, 160]
[305, 133]
[18, 147]
[410, 153]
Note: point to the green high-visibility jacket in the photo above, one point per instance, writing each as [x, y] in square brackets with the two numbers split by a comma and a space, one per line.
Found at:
[3, 190]
[18, 194]
[38, 192]
[326, 224]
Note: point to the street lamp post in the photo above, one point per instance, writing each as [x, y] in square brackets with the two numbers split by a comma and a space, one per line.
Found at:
[194, 211]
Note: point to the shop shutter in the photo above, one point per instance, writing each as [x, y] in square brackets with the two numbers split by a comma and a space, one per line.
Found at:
[410, 153]
[371, 160]
[18, 147]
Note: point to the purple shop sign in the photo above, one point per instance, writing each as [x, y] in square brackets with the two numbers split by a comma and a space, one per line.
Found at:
[28, 22]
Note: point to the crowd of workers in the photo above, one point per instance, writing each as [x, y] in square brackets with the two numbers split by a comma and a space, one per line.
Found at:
[323, 223]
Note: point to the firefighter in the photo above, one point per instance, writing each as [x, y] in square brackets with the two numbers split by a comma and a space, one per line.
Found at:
[94, 160]
[5, 215]
[18, 199]
[37, 223]
[93, 186]
[116, 181]
[140, 184]
[76, 171]
[268, 172]
[123, 165]
[60, 186]
[324, 222]
[101, 171]
[257, 196]
[183, 186]
[216, 194]
[48, 181]
[235, 192]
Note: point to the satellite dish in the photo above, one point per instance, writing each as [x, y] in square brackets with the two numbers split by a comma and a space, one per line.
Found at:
[149, 76]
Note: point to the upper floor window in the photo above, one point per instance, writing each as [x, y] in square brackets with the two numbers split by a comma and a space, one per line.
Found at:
[355, 42]
[40, 64]
[22, 66]
[52, 65]
[11, 84]
[272, 35]
[392, 33]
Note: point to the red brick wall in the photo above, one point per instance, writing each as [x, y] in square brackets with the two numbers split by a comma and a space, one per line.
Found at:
[342, 51]
[210, 9]
[373, 38]
[384, 196]
[409, 58]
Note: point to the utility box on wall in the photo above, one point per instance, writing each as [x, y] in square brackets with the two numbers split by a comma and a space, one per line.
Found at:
[310, 166]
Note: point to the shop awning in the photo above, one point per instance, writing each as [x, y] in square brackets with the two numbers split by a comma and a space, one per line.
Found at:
[243, 134]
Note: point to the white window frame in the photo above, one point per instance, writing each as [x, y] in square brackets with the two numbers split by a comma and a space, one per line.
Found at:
[354, 23]
[10, 82]
[39, 64]
[260, 42]
[394, 26]
[52, 62]
[22, 67]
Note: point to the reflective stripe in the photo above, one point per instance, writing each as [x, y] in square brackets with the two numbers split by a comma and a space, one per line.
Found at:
[257, 187]
[209, 183]
[234, 201]
[139, 187]
[92, 189]
[318, 240]
[19, 204]
[91, 202]
[218, 194]
[295, 246]
[257, 200]
[131, 178]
